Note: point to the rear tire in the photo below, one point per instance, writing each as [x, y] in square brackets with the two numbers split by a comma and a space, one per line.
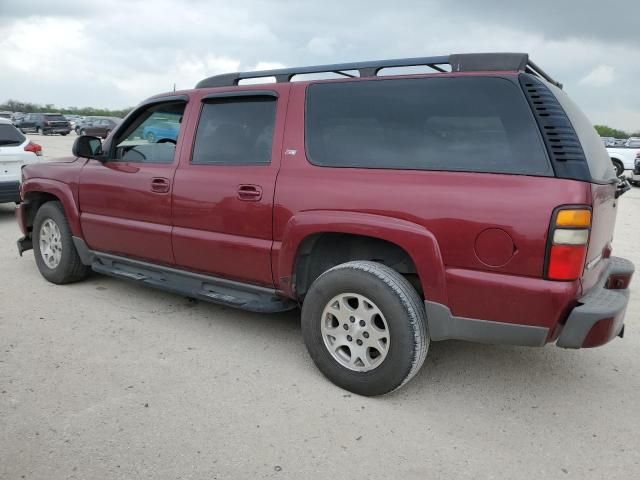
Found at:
[618, 166]
[376, 307]
[53, 248]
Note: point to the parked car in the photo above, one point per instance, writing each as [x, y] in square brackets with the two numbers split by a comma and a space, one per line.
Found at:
[633, 142]
[623, 158]
[635, 176]
[44, 123]
[16, 150]
[73, 120]
[608, 141]
[85, 122]
[397, 210]
[16, 117]
[99, 127]
[6, 115]
[161, 131]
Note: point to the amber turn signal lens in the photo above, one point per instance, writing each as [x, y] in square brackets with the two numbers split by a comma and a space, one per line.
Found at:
[574, 218]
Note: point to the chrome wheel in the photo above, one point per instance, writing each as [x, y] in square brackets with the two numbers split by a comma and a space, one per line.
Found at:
[355, 332]
[50, 243]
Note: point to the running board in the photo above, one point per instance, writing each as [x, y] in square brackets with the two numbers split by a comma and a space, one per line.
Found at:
[204, 287]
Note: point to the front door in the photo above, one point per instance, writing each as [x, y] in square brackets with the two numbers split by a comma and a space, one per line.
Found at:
[224, 186]
[125, 200]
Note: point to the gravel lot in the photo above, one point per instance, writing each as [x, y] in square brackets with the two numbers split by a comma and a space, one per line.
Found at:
[106, 379]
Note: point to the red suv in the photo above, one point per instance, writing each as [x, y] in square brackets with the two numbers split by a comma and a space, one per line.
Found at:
[475, 202]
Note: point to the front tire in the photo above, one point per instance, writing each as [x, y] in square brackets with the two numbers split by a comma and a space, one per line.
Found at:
[365, 327]
[54, 251]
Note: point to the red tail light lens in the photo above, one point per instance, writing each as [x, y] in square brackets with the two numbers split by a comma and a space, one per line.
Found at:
[33, 147]
[566, 262]
[569, 240]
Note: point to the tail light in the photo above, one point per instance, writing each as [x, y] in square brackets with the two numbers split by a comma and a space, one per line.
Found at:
[33, 147]
[568, 243]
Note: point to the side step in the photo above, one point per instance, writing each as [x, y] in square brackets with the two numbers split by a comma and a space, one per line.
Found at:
[204, 287]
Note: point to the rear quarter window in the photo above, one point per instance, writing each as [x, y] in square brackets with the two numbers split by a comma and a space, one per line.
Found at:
[594, 150]
[10, 136]
[476, 124]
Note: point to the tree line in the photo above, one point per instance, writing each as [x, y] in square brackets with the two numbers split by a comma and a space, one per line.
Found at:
[28, 107]
[606, 131]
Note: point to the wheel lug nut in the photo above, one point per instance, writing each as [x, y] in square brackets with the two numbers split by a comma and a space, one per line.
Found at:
[362, 323]
[365, 334]
[352, 319]
[346, 327]
[359, 342]
[349, 337]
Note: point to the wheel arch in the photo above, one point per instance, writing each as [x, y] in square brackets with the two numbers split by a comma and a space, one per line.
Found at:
[314, 241]
[37, 192]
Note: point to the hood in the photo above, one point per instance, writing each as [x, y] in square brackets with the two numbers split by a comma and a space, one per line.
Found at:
[66, 169]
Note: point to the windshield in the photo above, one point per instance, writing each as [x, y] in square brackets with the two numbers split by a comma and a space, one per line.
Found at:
[10, 136]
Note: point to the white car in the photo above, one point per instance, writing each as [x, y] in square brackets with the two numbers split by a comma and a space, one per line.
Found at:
[16, 150]
[623, 158]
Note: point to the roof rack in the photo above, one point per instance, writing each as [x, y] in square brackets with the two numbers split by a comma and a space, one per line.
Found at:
[465, 62]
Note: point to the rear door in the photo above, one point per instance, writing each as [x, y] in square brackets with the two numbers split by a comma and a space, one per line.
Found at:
[125, 200]
[224, 187]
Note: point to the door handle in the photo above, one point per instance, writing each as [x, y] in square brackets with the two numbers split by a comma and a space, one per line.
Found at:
[250, 193]
[160, 185]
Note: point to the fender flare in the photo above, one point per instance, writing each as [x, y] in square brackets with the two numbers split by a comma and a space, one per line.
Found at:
[63, 192]
[419, 243]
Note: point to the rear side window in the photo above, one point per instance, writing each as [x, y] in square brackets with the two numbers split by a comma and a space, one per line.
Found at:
[235, 132]
[10, 136]
[476, 124]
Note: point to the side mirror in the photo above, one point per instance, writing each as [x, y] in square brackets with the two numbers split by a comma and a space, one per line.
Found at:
[87, 146]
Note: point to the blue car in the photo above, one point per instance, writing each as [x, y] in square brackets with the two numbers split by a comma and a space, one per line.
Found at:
[161, 131]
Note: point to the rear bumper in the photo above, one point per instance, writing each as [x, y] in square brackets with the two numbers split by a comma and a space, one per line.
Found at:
[599, 316]
[9, 192]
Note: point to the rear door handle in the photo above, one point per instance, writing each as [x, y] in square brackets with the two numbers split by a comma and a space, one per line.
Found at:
[160, 185]
[250, 193]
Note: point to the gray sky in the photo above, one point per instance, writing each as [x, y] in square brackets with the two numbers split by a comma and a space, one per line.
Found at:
[114, 53]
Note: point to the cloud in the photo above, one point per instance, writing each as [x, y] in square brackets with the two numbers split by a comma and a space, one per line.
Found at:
[116, 53]
[600, 76]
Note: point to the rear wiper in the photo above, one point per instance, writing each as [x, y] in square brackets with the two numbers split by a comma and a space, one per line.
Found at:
[623, 187]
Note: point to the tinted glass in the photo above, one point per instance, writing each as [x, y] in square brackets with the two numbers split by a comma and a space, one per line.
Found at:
[478, 124]
[236, 132]
[10, 136]
[152, 136]
[55, 118]
[597, 156]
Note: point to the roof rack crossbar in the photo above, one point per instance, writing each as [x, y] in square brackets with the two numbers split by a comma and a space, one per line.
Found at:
[468, 62]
